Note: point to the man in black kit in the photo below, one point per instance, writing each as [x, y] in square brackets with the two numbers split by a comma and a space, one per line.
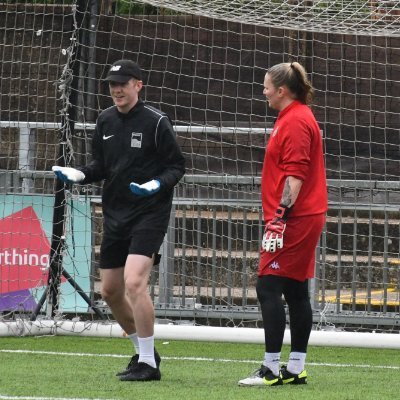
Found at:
[136, 154]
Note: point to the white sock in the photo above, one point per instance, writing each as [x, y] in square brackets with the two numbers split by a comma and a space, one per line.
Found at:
[271, 360]
[296, 362]
[135, 341]
[146, 352]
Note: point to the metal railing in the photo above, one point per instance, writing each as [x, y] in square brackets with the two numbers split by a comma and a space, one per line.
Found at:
[357, 263]
[211, 250]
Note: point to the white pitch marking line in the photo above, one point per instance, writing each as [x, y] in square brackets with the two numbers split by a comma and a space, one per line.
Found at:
[222, 360]
[44, 398]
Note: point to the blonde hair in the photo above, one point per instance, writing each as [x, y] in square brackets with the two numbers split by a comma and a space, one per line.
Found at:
[294, 77]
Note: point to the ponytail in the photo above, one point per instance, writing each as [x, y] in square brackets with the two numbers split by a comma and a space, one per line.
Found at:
[294, 77]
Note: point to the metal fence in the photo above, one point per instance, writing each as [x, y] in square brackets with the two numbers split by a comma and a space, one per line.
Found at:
[357, 260]
[210, 255]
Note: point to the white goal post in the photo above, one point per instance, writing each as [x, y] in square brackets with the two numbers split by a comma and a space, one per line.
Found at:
[196, 333]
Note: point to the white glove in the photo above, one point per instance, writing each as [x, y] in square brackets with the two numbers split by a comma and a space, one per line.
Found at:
[68, 175]
[273, 235]
[145, 189]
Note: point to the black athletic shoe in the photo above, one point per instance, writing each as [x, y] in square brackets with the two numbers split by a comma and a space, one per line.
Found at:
[142, 372]
[135, 360]
[293, 379]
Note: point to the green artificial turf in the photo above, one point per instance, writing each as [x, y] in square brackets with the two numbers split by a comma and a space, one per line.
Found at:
[38, 367]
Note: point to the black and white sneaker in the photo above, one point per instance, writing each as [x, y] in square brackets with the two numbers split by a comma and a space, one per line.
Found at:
[262, 377]
[135, 360]
[142, 372]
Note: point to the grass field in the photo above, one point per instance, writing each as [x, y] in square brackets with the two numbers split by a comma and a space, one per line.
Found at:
[84, 368]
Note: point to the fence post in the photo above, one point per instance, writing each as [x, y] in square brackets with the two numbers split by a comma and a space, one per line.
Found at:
[166, 269]
[26, 155]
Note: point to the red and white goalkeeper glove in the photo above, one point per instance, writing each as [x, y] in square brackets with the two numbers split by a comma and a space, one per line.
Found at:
[273, 234]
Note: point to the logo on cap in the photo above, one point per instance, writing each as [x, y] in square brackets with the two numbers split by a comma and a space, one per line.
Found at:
[123, 70]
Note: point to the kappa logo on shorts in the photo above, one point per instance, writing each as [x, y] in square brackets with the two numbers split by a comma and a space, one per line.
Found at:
[136, 140]
[274, 265]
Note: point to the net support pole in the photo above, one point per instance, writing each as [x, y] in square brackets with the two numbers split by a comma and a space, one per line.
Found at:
[56, 270]
[91, 62]
[55, 266]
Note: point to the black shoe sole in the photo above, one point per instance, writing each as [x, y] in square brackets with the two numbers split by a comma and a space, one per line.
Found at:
[135, 378]
[296, 382]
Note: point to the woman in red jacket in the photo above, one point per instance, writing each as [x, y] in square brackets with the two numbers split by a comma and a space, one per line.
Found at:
[294, 200]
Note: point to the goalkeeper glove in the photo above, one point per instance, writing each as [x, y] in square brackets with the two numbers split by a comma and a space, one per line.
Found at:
[145, 189]
[68, 175]
[273, 234]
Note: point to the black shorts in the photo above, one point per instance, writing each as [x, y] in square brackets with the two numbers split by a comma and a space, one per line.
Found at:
[114, 252]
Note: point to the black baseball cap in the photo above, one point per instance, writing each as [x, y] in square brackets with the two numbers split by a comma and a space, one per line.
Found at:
[123, 70]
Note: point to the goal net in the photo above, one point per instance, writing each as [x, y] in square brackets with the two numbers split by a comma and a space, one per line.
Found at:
[204, 64]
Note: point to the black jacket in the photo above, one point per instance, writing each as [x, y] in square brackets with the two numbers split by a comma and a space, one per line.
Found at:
[135, 147]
